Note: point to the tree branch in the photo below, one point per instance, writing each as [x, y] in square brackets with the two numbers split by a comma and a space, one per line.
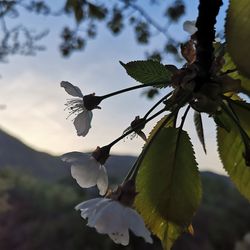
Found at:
[208, 11]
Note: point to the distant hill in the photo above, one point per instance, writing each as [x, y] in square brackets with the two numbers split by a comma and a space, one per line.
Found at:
[39, 215]
[118, 165]
[222, 219]
[16, 155]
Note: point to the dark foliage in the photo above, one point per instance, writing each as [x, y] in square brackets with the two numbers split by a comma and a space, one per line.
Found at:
[23, 40]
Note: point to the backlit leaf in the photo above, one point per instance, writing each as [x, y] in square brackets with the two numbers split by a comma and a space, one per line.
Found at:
[238, 34]
[148, 72]
[168, 184]
[167, 121]
[222, 121]
[245, 82]
[199, 129]
[231, 149]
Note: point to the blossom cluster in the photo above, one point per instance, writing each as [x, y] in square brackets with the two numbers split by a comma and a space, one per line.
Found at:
[113, 213]
[193, 86]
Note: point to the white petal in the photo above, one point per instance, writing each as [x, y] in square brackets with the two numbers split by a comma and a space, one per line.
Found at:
[90, 207]
[136, 224]
[71, 89]
[189, 26]
[86, 173]
[75, 157]
[121, 237]
[88, 204]
[110, 219]
[82, 123]
[102, 181]
[99, 206]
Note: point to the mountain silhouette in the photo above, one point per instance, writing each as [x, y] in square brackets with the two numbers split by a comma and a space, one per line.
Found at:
[49, 194]
[16, 155]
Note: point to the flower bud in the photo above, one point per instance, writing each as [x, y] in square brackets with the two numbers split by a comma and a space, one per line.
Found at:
[101, 154]
[91, 101]
[125, 193]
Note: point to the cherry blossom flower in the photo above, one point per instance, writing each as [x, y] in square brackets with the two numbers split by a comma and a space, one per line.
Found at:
[87, 171]
[111, 217]
[137, 125]
[82, 121]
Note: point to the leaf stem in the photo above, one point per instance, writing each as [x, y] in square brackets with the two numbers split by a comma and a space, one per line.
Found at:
[134, 170]
[157, 104]
[236, 102]
[137, 126]
[125, 90]
[183, 118]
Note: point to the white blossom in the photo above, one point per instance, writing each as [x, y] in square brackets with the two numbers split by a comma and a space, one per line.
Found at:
[111, 217]
[82, 121]
[87, 171]
[189, 27]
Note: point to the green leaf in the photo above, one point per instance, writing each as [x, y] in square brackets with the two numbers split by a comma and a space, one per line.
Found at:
[222, 122]
[231, 149]
[168, 183]
[148, 72]
[242, 104]
[199, 129]
[238, 35]
[245, 82]
[167, 121]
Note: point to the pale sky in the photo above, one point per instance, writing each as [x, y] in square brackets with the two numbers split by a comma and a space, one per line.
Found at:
[30, 88]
